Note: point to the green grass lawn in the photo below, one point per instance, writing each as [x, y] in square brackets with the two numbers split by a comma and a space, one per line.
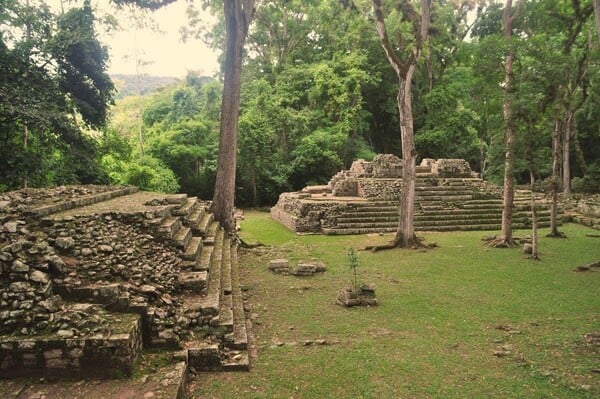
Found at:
[442, 316]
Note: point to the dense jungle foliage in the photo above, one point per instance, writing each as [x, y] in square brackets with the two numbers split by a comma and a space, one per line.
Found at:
[317, 93]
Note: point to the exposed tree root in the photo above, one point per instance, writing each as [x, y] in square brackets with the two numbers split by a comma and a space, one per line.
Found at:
[534, 257]
[499, 242]
[556, 234]
[414, 243]
[244, 244]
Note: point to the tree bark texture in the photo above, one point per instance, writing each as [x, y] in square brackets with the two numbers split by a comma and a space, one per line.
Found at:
[405, 68]
[566, 147]
[555, 177]
[238, 14]
[534, 219]
[509, 125]
[597, 16]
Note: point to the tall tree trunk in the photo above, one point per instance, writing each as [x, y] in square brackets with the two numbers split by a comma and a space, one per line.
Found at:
[534, 219]
[25, 134]
[238, 14]
[597, 16]
[405, 68]
[506, 238]
[566, 150]
[25, 138]
[554, 179]
[405, 234]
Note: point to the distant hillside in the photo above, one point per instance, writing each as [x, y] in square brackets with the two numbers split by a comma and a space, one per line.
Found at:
[127, 84]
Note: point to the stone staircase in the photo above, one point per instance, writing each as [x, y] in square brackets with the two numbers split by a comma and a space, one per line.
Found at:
[184, 299]
[454, 206]
[209, 279]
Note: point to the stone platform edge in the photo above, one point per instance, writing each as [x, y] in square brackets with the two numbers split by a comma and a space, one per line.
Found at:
[83, 201]
[111, 356]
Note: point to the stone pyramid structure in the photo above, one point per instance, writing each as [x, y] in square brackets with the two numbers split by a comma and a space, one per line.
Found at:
[92, 276]
[364, 199]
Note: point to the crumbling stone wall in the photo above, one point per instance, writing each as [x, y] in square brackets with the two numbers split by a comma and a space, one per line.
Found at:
[381, 189]
[110, 356]
[301, 216]
[346, 188]
[451, 168]
[380, 178]
[385, 166]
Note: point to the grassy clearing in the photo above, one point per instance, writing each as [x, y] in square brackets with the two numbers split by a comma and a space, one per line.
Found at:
[442, 315]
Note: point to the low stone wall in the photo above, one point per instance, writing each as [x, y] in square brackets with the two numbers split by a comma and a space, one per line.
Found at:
[305, 216]
[589, 206]
[54, 356]
[452, 168]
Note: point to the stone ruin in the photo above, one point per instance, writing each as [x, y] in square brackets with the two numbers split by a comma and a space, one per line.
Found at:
[364, 199]
[92, 276]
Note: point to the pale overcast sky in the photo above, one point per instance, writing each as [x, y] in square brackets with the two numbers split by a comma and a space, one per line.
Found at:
[163, 54]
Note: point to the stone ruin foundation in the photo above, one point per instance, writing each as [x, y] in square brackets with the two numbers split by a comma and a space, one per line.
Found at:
[365, 296]
[91, 276]
[364, 199]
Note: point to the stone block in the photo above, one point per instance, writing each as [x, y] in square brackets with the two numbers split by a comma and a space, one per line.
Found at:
[195, 281]
[279, 266]
[309, 268]
[204, 357]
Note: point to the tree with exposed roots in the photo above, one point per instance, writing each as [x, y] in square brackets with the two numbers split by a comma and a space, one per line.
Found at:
[238, 14]
[404, 62]
[508, 18]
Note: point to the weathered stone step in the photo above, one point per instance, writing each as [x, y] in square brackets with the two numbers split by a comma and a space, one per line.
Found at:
[205, 259]
[370, 213]
[176, 198]
[454, 213]
[472, 205]
[239, 338]
[488, 201]
[204, 223]
[350, 231]
[183, 237]
[456, 222]
[441, 211]
[366, 224]
[195, 217]
[186, 207]
[212, 231]
[169, 227]
[360, 219]
[226, 301]
[192, 251]
[430, 208]
[210, 303]
[207, 356]
[226, 267]
[235, 360]
[421, 192]
[203, 356]
[361, 216]
[193, 281]
[465, 227]
[444, 198]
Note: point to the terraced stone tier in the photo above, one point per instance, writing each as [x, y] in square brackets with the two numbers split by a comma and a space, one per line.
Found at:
[440, 205]
[60, 354]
